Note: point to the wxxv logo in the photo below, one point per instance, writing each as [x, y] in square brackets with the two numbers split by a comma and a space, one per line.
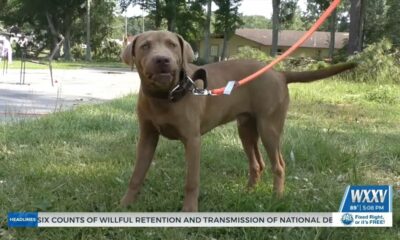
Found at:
[367, 199]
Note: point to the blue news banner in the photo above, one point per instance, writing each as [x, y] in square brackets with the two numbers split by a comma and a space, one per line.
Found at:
[361, 206]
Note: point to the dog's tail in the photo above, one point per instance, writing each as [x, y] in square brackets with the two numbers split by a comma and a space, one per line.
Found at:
[309, 76]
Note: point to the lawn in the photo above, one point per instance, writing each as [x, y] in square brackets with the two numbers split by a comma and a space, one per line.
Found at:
[340, 133]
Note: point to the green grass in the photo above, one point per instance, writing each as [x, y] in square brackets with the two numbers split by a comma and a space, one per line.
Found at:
[66, 65]
[340, 133]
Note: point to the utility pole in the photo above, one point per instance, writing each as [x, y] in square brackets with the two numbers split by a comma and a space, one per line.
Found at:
[88, 49]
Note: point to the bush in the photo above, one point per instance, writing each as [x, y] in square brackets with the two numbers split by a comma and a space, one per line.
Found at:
[290, 64]
[109, 50]
[247, 52]
[78, 52]
[379, 62]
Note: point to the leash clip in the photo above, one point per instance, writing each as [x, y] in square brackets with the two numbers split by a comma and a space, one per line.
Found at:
[201, 92]
[198, 91]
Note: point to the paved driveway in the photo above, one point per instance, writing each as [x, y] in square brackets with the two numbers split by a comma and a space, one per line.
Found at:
[72, 87]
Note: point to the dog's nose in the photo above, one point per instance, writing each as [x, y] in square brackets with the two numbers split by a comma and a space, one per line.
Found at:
[162, 60]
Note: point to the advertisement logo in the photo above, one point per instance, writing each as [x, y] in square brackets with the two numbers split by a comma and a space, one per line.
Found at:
[347, 219]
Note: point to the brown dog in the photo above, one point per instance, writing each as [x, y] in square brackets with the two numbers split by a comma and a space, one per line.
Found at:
[166, 107]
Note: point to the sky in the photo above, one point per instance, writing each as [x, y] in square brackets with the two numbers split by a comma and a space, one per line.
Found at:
[248, 7]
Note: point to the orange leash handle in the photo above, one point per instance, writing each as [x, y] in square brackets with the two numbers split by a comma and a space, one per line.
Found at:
[322, 19]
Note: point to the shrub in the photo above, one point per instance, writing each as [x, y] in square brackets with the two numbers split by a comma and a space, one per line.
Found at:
[78, 52]
[247, 52]
[109, 50]
[379, 62]
[291, 64]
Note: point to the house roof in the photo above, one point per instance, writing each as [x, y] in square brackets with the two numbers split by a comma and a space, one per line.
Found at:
[287, 38]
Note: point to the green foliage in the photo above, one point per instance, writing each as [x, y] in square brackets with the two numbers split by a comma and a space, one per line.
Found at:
[260, 22]
[290, 16]
[247, 52]
[291, 64]
[379, 62]
[78, 53]
[384, 94]
[392, 27]
[189, 30]
[67, 17]
[227, 18]
[374, 26]
[109, 50]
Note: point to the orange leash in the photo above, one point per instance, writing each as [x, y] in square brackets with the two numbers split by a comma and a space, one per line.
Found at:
[234, 84]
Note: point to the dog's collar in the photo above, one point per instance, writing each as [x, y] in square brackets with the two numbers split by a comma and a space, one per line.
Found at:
[185, 84]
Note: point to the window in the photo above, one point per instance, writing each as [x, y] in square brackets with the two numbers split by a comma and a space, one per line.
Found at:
[214, 50]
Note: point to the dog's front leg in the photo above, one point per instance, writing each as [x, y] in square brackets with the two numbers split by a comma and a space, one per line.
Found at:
[192, 155]
[146, 147]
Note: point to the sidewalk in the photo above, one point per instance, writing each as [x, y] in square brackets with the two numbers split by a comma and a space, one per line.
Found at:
[71, 88]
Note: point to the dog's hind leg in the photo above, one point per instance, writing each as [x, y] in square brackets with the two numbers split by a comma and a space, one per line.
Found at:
[248, 135]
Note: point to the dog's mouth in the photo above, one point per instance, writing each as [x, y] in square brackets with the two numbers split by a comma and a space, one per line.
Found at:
[162, 79]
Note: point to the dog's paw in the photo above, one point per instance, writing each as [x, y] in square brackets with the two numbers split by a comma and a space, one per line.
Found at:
[190, 207]
[128, 199]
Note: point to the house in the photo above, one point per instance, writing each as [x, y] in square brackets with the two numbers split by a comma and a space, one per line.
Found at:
[316, 47]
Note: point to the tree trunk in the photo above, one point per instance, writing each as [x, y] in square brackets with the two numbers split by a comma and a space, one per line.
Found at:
[356, 26]
[275, 26]
[332, 27]
[158, 17]
[88, 56]
[54, 33]
[206, 55]
[67, 44]
[224, 46]
[171, 14]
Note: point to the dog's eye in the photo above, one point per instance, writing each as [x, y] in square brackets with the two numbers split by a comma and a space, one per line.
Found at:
[171, 44]
[145, 46]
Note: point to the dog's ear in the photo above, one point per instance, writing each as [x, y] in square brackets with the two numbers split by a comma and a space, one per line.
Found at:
[187, 51]
[128, 54]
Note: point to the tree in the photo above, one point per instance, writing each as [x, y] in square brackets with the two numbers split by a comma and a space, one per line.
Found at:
[65, 17]
[190, 18]
[260, 22]
[287, 14]
[56, 15]
[227, 20]
[317, 7]
[357, 10]
[207, 29]
[275, 26]
[184, 17]
[102, 22]
[392, 27]
[375, 27]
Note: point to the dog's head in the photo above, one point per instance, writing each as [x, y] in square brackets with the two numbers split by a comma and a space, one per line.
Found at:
[160, 58]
